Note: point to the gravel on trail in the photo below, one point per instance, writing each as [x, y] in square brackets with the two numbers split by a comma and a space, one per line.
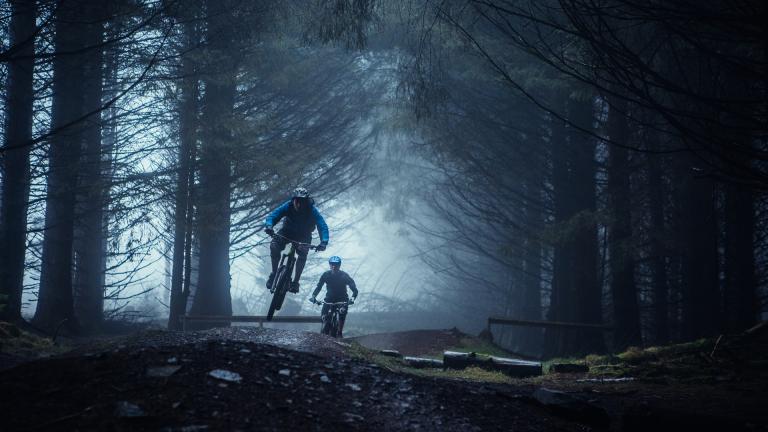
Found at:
[249, 378]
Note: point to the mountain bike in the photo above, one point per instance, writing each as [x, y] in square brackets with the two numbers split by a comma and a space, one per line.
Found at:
[282, 281]
[332, 318]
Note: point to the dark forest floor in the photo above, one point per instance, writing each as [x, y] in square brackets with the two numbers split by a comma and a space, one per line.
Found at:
[159, 380]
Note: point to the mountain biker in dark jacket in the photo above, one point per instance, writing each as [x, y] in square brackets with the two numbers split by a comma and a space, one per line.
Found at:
[336, 282]
[300, 218]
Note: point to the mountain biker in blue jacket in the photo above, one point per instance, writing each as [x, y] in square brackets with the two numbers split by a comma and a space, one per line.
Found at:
[300, 217]
[336, 282]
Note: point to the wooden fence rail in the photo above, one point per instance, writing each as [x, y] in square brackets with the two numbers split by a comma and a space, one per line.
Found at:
[249, 318]
[532, 323]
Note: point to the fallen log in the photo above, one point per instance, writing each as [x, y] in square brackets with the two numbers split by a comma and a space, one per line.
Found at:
[458, 360]
[391, 353]
[569, 368]
[422, 363]
[514, 367]
[509, 366]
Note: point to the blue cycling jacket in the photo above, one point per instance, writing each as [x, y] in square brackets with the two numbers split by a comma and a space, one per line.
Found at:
[298, 225]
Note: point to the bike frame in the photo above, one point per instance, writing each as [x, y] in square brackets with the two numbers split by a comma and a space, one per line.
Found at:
[284, 274]
[290, 256]
[332, 318]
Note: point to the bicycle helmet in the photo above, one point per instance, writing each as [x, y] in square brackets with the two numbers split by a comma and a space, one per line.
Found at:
[300, 192]
[334, 260]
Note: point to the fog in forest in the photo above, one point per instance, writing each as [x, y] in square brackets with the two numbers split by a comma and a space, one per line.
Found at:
[529, 160]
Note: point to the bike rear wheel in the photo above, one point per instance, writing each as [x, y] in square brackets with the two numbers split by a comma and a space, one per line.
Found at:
[281, 288]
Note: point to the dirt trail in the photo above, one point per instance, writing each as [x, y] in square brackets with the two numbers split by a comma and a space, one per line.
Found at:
[245, 379]
[413, 342]
[250, 378]
[308, 342]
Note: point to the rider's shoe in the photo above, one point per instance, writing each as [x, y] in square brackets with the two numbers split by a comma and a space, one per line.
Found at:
[294, 287]
[270, 279]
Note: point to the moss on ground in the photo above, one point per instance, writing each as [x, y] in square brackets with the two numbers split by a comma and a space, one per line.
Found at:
[680, 361]
[21, 343]
[546, 365]
[691, 362]
[703, 360]
[469, 374]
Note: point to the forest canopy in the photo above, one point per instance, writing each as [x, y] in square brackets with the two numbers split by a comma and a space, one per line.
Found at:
[595, 163]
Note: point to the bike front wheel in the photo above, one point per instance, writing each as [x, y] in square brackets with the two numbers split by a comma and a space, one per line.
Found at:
[326, 326]
[335, 326]
[281, 288]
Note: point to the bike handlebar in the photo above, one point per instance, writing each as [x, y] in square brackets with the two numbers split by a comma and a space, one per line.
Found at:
[323, 302]
[309, 245]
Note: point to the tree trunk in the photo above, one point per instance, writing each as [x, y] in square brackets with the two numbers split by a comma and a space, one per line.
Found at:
[741, 300]
[55, 302]
[587, 289]
[188, 125]
[626, 311]
[532, 263]
[659, 280]
[700, 267]
[90, 253]
[189, 263]
[15, 158]
[109, 137]
[212, 296]
[561, 299]
[576, 294]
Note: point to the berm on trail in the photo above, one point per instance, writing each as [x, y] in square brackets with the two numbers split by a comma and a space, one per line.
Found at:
[250, 378]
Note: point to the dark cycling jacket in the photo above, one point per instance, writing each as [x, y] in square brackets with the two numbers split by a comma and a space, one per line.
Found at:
[336, 286]
[298, 225]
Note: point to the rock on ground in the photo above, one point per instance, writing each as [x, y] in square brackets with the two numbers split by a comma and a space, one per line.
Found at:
[263, 386]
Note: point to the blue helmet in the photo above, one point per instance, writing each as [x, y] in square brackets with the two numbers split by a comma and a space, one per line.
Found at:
[334, 260]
